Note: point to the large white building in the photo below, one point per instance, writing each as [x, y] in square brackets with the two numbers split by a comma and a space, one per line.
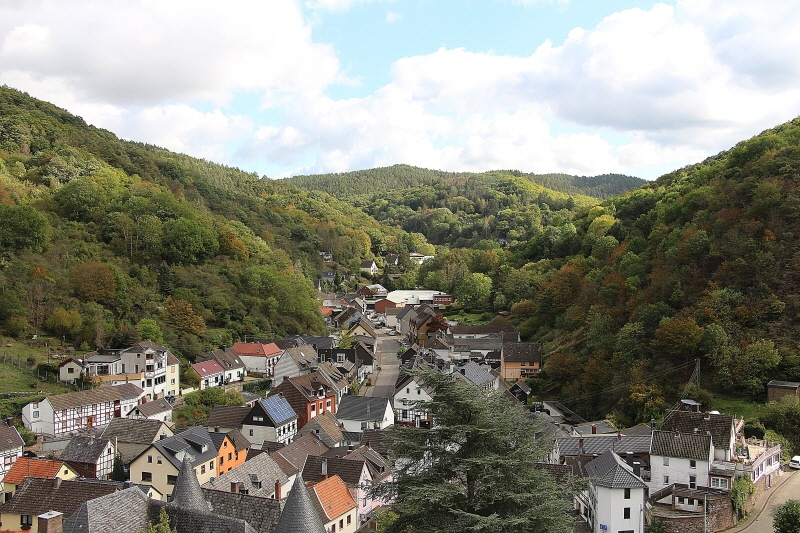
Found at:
[616, 496]
[61, 414]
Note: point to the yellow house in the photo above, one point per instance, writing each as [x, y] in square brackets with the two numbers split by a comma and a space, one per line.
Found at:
[520, 360]
[34, 467]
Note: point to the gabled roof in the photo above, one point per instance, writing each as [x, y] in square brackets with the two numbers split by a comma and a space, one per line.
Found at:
[256, 349]
[378, 467]
[348, 470]
[36, 496]
[34, 467]
[235, 436]
[227, 358]
[154, 407]
[227, 416]
[522, 351]
[106, 513]
[475, 373]
[783, 384]
[611, 472]
[278, 409]
[598, 444]
[719, 425]
[261, 470]
[688, 446]
[307, 385]
[299, 514]
[366, 325]
[9, 437]
[134, 430]
[304, 356]
[85, 449]
[191, 443]
[362, 408]
[295, 452]
[325, 426]
[208, 368]
[332, 498]
[126, 391]
[375, 439]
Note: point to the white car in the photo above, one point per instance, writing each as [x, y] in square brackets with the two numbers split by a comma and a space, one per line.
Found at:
[795, 462]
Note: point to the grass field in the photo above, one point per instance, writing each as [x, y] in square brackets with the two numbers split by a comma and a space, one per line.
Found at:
[737, 406]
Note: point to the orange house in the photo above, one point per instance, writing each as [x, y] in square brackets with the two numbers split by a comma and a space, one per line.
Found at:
[231, 449]
[520, 360]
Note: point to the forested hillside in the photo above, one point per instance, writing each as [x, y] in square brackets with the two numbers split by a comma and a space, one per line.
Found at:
[104, 241]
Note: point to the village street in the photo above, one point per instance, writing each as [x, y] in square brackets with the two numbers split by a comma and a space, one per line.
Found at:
[383, 380]
[761, 519]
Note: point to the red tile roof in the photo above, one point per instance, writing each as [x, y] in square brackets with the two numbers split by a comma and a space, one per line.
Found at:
[333, 498]
[208, 368]
[33, 467]
[256, 349]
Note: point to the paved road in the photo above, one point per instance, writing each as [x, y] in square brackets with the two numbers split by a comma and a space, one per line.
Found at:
[386, 358]
[789, 489]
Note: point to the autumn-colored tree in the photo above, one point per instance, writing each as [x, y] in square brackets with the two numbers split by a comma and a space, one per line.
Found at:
[437, 323]
[94, 282]
[64, 322]
[231, 245]
[678, 338]
[181, 316]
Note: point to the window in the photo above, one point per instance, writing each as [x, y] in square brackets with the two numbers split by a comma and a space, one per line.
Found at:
[341, 523]
[626, 513]
[202, 469]
[171, 480]
[692, 463]
[404, 414]
[627, 494]
[681, 500]
[251, 432]
[692, 482]
[666, 480]
[36, 414]
[158, 459]
[229, 456]
[211, 465]
[522, 363]
[221, 461]
[666, 461]
[26, 520]
[147, 477]
[258, 418]
[149, 458]
[70, 370]
[719, 482]
[333, 528]
[690, 501]
[348, 519]
[313, 408]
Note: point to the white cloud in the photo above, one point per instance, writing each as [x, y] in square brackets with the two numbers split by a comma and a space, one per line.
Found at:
[392, 17]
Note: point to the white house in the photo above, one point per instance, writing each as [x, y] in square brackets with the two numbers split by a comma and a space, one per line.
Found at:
[211, 374]
[160, 410]
[271, 419]
[408, 393]
[11, 445]
[258, 357]
[61, 414]
[616, 497]
[683, 458]
[357, 413]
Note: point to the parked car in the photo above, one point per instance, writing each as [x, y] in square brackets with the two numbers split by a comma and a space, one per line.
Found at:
[795, 462]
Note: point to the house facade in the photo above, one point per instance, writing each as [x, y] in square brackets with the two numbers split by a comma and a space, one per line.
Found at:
[90, 457]
[271, 419]
[357, 413]
[617, 496]
[11, 445]
[309, 395]
[61, 414]
[520, 360]
[211, 374]
[407, 395]
[258, 357]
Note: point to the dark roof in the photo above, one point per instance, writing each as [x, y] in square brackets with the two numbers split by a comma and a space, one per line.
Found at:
[639, 429]
[561, 473]
[239, 441]
[106, 513]
[278, 409]
[262, 514]
[377, 465]
[299, 513]
[186, 520]
[36, 496]
[154, 407]
[598, 444]
[720, 426]
[485, 329]
[347, 469]
[522, 351]
[611, 472]
[475, 373]
[133, 430]
[227, 416]
[362, 408]
[375, 438]
[9, 437]
[126, 391]
[783, 384]
[189, 442]
[85, 449]
[295, 452]
[187, 491]
[688, 446]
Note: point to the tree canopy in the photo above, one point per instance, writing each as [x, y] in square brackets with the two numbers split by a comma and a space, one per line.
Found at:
[455, 476]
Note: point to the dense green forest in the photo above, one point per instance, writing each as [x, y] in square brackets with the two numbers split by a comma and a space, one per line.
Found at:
[104, 241]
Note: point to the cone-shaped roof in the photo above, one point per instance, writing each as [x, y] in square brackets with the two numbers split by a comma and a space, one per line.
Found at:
[299, 513]
[187, 492]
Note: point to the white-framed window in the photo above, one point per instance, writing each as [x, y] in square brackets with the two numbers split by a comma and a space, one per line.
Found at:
[692, 463]
[666, 480]
[666, 461]
[692, 482]
[719, 482]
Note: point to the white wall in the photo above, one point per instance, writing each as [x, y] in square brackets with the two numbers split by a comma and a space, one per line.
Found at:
[678, 470]
[610, 510]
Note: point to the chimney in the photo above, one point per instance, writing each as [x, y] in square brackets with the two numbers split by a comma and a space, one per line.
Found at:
[127, 484]
[50, 522]
[637, 469]
[652, 424]
[619, 435]
[324, 469]
[580, 444]
[235, 487]
[707, 415]
[629, 458]
[594, 429]
[277, 489]
[56, 483]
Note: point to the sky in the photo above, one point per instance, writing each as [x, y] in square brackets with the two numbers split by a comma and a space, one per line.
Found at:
[287, 87]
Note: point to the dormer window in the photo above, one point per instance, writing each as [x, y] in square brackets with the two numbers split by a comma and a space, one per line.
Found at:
[321, 392]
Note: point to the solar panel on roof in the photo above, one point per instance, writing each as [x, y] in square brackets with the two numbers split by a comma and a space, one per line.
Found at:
[278, 408]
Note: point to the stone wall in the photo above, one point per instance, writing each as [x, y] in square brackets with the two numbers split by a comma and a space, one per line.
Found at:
[720, 516]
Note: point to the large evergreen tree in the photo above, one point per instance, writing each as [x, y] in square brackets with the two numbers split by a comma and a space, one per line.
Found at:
[475, 469]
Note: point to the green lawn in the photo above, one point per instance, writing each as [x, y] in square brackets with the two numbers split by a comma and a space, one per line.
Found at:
[737, 406]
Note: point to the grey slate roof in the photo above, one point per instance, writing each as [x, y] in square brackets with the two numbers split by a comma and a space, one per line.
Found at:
[325, 427]
[685, 445]
[720, 425]
[189, 442]
[84, 449]
[299, 513]
[611, 472]
[126, 391]
[260, 469]
[107, 513]
[227, 416]
[475, 373]
[295, 453]
[154, 407]
[187, 491]
[9, 437]
[347, 469]
[261, 514]
[783, 384]
[133, 430]
[522, 351]
[598, 444]
[362, 408]
[194, 521]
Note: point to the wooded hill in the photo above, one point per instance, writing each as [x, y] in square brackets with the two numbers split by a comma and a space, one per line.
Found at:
[103, 241]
